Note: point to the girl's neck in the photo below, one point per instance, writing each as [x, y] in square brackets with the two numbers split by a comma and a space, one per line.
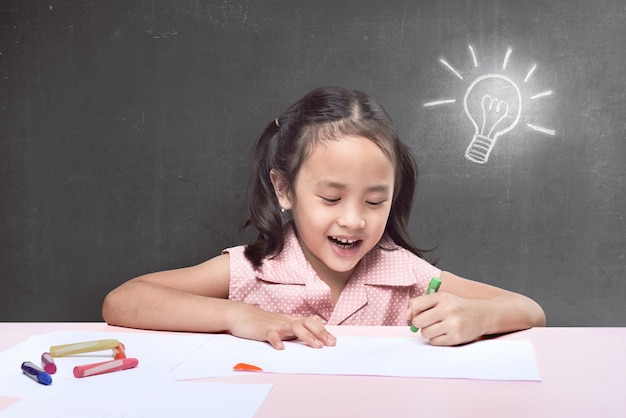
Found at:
[335, 280]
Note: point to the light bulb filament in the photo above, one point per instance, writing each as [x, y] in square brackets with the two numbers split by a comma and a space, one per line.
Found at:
[494, 111]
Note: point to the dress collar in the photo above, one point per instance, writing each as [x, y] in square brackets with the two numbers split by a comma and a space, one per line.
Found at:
[292, 267]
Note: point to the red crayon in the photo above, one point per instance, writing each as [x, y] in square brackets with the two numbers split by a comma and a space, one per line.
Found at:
[105, 367]
[245, 367]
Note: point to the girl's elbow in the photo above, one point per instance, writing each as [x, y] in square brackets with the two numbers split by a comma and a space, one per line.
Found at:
[541, 319]
[111, 308]
[538, 318]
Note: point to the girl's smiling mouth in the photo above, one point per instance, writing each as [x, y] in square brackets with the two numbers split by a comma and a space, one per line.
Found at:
[344, 243]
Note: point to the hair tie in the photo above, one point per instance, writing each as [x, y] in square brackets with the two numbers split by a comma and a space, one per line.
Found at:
[277, 123]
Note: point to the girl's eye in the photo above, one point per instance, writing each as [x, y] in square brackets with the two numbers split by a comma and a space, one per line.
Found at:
[380, 202]
[330, 199]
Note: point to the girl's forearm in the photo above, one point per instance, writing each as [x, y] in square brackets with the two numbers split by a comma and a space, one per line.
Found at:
[146, 305]
[511, 312]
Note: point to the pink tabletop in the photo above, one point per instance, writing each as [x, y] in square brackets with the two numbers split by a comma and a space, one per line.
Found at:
[583, 373]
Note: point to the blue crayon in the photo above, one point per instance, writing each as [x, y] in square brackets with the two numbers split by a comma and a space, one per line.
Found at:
[35, 373]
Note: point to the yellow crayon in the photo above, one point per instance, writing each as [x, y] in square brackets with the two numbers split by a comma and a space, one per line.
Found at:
[84, 347]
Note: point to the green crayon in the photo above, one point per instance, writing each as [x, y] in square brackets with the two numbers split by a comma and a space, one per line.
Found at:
[433, 287]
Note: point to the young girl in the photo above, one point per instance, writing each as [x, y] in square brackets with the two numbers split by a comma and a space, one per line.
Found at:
[330, 196]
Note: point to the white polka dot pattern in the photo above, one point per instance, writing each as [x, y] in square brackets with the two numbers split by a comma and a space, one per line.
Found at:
[376, 294]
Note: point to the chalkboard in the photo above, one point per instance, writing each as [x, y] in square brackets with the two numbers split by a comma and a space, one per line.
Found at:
[126, 130]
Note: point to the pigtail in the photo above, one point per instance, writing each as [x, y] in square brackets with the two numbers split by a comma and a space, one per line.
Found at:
[397, 224]
[263, 211]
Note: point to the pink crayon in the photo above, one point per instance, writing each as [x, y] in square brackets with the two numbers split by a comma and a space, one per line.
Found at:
[105, 367]
[48, 363]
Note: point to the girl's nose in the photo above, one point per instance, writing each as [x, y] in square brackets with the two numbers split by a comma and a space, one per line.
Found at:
[355, 222]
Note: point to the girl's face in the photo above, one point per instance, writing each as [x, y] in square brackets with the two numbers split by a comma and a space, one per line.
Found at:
[343, 197]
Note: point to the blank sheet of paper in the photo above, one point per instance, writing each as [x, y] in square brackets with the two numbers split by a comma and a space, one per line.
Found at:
[375, 356]
[157, 354]
[170, 399]
[145, 391]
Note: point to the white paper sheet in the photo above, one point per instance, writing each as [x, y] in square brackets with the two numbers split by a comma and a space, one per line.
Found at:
[171, 399]
[157, 355]
[150, 389]
[141, 392]
[379, 356]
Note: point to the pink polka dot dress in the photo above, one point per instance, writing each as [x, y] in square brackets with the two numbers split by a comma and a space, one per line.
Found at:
[376, 294]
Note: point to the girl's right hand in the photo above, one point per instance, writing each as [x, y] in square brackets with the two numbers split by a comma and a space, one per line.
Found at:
[256, 324]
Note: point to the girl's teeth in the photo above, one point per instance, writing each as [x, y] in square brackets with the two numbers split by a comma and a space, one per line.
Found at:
[344, 241]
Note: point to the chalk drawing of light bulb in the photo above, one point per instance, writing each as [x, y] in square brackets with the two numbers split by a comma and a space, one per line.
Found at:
[493, 103]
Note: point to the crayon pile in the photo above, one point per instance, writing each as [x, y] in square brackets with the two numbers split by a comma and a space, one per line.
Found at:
[43, 374]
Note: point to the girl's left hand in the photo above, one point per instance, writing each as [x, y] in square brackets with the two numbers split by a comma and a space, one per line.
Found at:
[446, 319]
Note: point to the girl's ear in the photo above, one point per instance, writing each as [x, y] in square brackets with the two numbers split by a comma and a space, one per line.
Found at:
[281, 188]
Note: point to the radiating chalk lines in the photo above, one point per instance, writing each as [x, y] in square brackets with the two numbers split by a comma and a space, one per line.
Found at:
[493, 103]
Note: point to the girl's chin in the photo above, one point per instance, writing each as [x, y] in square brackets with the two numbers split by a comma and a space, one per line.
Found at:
[349, 251]
[344, 259]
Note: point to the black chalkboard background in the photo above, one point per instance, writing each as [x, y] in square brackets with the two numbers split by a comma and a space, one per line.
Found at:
[126, 129]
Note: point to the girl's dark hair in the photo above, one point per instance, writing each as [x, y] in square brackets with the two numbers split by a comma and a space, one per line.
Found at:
[324, 114]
